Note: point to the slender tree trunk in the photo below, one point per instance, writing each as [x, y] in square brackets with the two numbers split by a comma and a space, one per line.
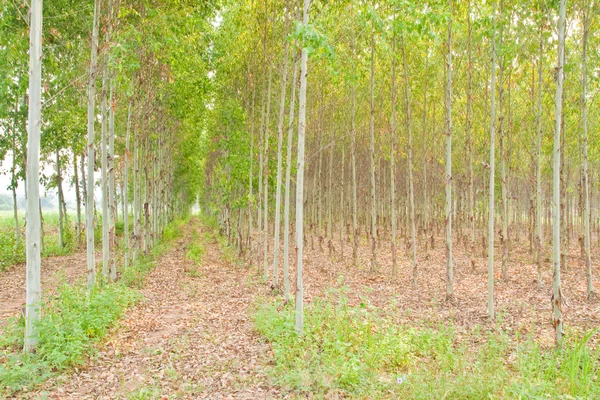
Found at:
[449, 271]
[13, 185]
[393, 160]
[60, 201]
[300, 181]
[491, 209]
[91, 117]
[266, 181]
[372, 150]
[586, 174]
[426, 207]
[557, 300]
[353, 156]
[77, 199]
[411, 191]
[504, 212]
[126, 185]
[538, 194]
[251, 179]
[112, 202]
[280, 161]
[469, 124]
[33, 257]
[104, 155]
[288, 170]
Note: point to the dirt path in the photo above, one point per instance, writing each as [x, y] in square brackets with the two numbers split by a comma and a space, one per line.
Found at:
[191, 338]
[54, 270]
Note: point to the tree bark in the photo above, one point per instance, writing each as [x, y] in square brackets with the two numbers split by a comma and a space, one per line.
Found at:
[448, 220]
[491, 209]
[300, 181]
[288, 170]
[372, 150]
[586, 175]
[557, 299]
[91, 117]
[280, 161]
[33, 237]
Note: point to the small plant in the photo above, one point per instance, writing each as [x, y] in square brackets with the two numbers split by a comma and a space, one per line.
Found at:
[358, 351]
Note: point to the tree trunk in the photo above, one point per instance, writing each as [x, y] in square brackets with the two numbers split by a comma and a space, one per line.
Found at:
[77, 199]
[491, 208]
[13, 185]
[393, 159]
[60, 201]
[470, 139]
[126, 186]
[448, 220]
[112, 202]
[280, 160]
[288, 170]
[557, 300]
[33, 257]
[538, 192]
[586, 175]
[91, 117]
[411, 192]
[300, 181]
[372, 150]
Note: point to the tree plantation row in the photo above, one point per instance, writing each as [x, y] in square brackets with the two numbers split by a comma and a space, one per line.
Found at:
[393, 123]
[107, 86]
[396, 125]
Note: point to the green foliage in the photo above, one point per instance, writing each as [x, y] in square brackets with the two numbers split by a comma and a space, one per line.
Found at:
[71, 325]
[9, 253]
[360, 352]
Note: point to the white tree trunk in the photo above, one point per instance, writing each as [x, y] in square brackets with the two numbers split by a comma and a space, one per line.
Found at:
[33, 237]
[586, 174]
[411, 192]
[538, 191]
[288, 170]
[449, 266]
[557, 318]
[492, 175]
[372, 150]
[126, 185]
[300, 180]
[280, 161]
[91, 117]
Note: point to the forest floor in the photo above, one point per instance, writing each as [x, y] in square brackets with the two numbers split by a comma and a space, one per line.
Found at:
[55, 270]
[191, 336]
[521, 305]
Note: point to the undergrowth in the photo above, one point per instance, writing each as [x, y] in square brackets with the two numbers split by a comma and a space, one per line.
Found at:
[359, 352]
[72, 323]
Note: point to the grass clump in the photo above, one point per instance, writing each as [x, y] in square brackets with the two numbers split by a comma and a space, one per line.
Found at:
[71, 325]
[360, 352]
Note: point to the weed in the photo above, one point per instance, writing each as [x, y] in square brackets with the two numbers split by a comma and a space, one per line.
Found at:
[362, 353]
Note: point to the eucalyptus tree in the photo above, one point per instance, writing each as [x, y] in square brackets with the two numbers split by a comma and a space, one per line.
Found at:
[448, 102]
[557, 298]
[33, 283]
[492, 166]
[586, 175]
[91, 117]
[284, 70]
[300, 177]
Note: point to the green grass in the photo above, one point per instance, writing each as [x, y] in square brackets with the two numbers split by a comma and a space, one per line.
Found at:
[195, 253]
[11, 254]
[360, 352]
[73, 323]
